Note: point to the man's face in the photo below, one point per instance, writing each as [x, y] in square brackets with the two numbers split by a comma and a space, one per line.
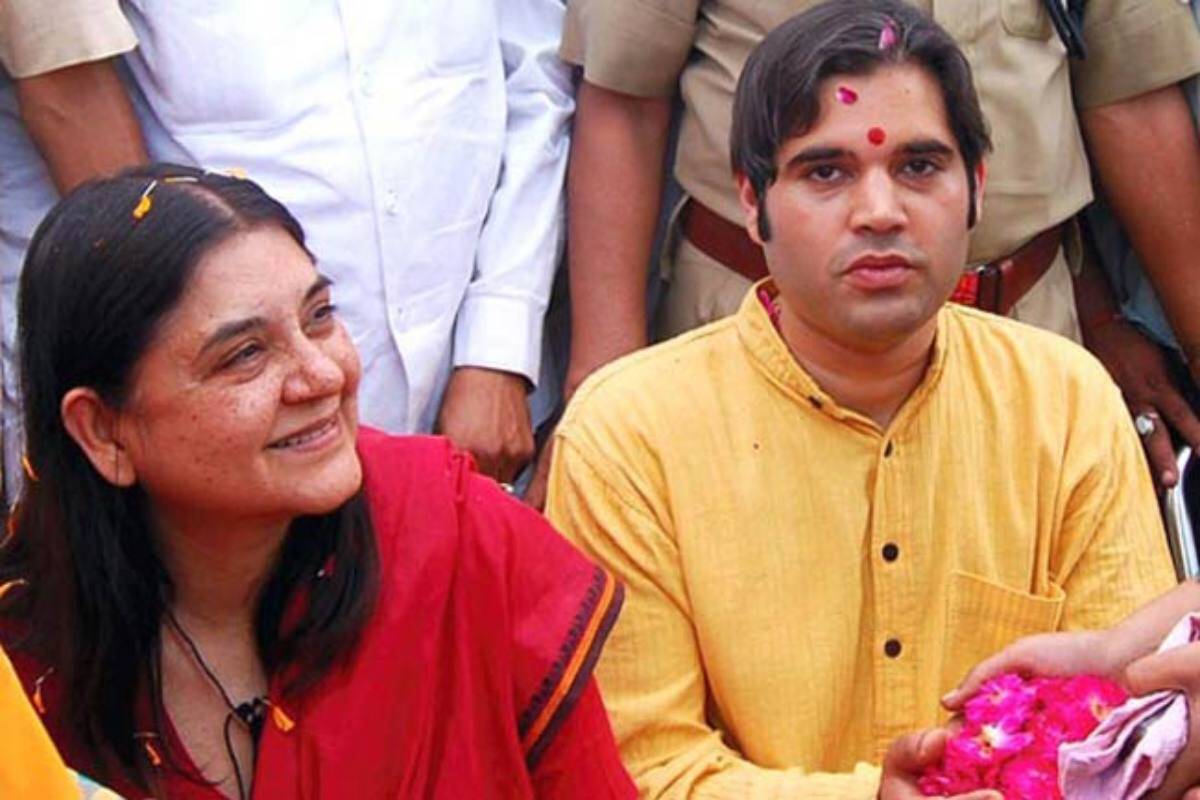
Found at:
[868, 215]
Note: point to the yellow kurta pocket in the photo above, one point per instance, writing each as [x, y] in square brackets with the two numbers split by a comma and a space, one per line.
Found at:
[983, 617]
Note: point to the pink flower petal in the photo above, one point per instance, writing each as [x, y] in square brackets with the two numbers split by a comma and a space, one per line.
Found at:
[888, 36]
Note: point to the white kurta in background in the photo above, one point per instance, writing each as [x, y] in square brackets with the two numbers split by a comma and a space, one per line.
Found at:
[421, 143]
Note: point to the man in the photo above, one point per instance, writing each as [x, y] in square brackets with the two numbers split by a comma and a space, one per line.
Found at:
[827, 507]
[412, 140]
[64, 118]
[636, 54]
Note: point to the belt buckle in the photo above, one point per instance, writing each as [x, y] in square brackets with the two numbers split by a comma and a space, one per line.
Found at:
[979, 287]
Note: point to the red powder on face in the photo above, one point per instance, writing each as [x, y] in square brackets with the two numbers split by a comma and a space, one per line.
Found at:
[847, 95]
[876, 136]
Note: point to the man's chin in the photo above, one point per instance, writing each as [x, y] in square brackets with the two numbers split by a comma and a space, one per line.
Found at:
[886, 325]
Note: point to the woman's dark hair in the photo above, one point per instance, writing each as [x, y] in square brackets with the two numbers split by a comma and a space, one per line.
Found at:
[104, 269]
[778, 91]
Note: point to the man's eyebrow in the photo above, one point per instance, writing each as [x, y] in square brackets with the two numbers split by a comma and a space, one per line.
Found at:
[237, 327]
[927, 147]
[816, 153]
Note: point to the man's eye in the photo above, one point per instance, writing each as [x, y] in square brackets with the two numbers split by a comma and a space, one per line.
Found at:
[824, 173]
[921, 167]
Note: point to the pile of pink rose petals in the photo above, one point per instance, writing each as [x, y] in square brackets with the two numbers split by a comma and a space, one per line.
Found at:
[1011, 732]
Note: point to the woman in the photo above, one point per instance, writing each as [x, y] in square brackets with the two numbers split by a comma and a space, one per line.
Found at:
[229, 589]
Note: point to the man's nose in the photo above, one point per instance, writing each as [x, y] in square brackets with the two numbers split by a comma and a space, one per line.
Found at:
[878, 206]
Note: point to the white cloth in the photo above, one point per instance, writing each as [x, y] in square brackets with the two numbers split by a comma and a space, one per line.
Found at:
[421, 143]
[26, 194]
[1128, 754]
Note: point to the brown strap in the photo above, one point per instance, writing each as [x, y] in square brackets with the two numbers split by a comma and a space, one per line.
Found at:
[721, 240]
[1020, 271]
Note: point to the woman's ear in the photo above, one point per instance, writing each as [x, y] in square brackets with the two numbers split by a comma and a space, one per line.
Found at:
[94, 427]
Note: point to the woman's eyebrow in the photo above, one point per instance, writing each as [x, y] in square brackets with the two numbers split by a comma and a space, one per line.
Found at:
[237, 327]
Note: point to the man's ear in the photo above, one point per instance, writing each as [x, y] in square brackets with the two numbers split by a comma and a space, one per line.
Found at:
[981, 173]
[749, 200]
[94, 427]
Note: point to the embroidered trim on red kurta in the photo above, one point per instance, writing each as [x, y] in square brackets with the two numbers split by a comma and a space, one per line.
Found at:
[561, 687]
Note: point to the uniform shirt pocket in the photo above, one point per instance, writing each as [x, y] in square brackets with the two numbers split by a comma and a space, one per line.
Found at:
[1026, 18]
[983, 617]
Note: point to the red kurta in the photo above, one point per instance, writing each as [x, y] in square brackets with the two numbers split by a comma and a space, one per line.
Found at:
[473, 678]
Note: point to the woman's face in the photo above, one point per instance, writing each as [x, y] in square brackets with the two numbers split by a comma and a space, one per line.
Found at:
[243, 406]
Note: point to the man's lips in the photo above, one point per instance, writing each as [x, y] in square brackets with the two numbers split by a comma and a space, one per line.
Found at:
[876, 272]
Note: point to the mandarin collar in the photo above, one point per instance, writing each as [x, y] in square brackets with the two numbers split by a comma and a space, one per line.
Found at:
[770, 354]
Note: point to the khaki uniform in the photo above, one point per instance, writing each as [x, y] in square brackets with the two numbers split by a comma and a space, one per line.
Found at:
[37, 37]
[1038, 173]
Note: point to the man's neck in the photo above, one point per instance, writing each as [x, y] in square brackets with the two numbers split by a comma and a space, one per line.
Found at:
[218, 572]
[874, 383]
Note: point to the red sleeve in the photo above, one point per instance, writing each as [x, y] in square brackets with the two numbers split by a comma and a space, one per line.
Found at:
[582, 760]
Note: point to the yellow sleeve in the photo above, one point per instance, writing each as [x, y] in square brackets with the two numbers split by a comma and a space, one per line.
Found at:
[651, 672]
[29, 764]
[1134, 47]
[1113, 555]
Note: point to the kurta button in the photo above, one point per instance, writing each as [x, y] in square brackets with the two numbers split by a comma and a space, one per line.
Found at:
[892, 648]
[887, 450]
[890, 552]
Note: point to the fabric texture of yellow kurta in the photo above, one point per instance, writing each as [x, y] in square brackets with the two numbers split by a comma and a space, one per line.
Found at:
[803, 586]
[30, 767]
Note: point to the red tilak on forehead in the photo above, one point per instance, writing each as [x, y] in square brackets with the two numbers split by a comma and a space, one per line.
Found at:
[876, 136]
[846, 95]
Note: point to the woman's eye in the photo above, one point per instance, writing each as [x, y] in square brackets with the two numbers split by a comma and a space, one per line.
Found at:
[242, 355]
[322, 315]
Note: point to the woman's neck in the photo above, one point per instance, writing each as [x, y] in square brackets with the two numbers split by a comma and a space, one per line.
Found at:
[874, 383]
[218, 571]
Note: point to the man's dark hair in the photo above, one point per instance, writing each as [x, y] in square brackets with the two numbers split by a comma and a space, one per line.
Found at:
[777, 95]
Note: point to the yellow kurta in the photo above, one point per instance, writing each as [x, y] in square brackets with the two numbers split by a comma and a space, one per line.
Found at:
[30, 767]
[803, 586]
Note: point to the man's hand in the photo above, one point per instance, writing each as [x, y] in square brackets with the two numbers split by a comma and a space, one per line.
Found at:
[484, 412]
[908, 757]
[1177, 669]
[535, 493]
[1140, 370]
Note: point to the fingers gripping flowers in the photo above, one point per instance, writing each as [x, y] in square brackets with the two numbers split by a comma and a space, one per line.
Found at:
[1011, 731]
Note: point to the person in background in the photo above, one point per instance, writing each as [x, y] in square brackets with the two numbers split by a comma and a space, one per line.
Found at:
[220, 585]
[828, 506]
[64, 118]
[424, 147]
[1043, 105]
[1146, 329]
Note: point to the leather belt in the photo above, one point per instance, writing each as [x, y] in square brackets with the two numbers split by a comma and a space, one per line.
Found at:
[995, 286]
